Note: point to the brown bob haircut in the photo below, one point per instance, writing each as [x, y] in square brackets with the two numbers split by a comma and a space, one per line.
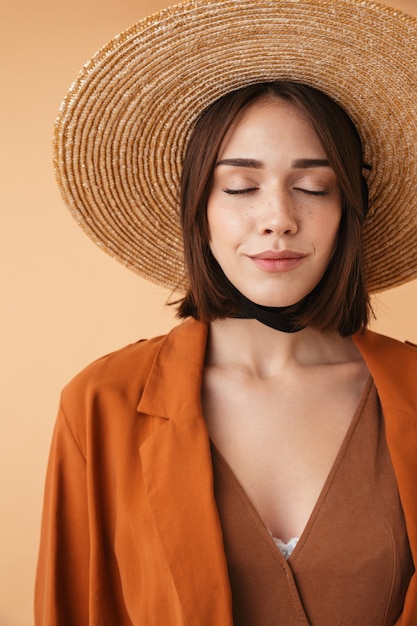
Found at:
[340, 301]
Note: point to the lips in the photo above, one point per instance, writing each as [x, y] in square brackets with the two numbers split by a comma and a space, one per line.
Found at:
[277, 254]
[277, 260]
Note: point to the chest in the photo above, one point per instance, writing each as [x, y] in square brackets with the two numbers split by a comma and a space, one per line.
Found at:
[281, 438]
[358, 506]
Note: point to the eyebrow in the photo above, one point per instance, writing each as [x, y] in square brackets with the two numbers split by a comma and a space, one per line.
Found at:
[307, 163]
[254, 164]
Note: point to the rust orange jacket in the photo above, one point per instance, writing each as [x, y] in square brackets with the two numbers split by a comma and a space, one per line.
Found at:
[130, 531]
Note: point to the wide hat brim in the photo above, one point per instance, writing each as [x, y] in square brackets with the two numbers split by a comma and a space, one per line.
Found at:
[122, 129]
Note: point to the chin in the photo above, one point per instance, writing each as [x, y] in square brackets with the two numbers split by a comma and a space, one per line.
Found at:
[283, 297]
[276, 302]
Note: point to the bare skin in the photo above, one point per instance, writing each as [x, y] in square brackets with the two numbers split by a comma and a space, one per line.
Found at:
[277, 407]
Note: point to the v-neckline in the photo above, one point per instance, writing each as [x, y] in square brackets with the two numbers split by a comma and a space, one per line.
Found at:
[265, 532]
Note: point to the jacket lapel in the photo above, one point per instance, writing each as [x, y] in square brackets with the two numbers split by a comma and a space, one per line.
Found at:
[177, 470]
[394, 369]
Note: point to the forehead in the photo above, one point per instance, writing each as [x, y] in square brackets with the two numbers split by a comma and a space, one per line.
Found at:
[270, 123]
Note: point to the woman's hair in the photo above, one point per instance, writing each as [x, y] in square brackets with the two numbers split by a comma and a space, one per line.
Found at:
[340, 302]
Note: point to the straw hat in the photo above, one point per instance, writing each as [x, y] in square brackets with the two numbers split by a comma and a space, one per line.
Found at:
[122, 129]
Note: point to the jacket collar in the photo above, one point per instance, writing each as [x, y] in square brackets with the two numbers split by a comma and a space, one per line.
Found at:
[393, 366]
[177, 470]
[174, 382]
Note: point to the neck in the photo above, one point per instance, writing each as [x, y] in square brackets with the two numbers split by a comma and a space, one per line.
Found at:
[253, 346]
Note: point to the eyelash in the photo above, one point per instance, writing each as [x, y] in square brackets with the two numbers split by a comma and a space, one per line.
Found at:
[242, 192]
[310, 192]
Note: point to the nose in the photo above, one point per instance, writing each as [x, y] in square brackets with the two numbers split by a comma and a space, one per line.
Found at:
[277, 215]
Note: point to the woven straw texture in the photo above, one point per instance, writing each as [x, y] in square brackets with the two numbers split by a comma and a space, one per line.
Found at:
[122, 129]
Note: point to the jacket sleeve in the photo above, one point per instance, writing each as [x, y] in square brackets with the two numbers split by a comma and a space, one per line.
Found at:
[62, 579]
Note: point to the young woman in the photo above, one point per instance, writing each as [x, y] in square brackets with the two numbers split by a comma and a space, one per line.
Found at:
[257, 465]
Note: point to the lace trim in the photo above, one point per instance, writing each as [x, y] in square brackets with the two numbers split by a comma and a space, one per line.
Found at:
[286, 548]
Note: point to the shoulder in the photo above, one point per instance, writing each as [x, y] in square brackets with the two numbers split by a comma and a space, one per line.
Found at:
[102, 401]
[103, 397]
[120, 368]
[125, 372]
[374, 344]
[393, 366]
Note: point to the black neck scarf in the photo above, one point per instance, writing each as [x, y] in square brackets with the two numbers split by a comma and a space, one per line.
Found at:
[285, 318]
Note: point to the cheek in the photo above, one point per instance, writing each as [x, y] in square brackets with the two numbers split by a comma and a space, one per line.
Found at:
[223, 224]
[213, 215]
[333, 238]
[335, 221]
[225, 235]
[326, 231]
[216, 229]
[330, 224]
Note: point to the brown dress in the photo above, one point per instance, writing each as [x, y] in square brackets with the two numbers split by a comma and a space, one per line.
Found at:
[352, 564]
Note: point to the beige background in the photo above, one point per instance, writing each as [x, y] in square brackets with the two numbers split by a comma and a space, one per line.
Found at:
[64, 302]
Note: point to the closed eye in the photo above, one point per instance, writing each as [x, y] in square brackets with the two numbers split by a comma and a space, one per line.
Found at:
[312, 192]
[242, 192]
